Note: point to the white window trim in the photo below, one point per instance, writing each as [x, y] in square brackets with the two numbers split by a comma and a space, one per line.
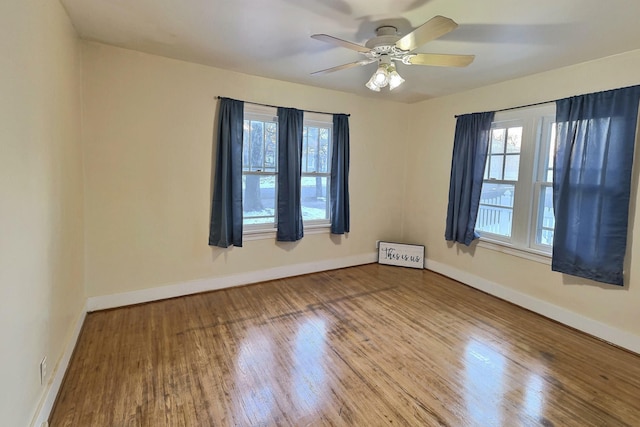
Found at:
[524, 231]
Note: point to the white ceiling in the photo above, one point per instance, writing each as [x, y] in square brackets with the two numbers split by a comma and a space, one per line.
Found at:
[271, 38]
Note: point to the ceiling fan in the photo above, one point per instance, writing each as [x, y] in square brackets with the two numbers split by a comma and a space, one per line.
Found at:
[388, 47]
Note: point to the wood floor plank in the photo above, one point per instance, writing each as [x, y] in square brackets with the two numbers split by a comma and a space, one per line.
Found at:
[369, 345]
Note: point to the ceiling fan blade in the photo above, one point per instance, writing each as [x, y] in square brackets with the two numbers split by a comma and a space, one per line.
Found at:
[344, 66]
[430, 30]
[339, 42]
[441, 60]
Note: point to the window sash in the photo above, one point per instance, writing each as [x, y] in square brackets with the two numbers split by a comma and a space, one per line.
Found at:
[327, 200]
[514, 211]
[310, 124]
[248, 147]
[247, 220]
[490, 211]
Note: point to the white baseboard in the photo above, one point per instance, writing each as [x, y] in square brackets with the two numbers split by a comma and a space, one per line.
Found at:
[215, 283]
[603, 331]
[53, 387]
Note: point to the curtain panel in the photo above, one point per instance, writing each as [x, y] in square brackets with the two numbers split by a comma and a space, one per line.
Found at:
[225, 227]
[290, 129]
[339, 184]
[592, 181]
[467, 168]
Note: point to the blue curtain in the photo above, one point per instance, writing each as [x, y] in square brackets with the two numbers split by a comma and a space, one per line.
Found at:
[339, 184]
[225, 228]
[290, 125]
[591, 183]
[467, 168]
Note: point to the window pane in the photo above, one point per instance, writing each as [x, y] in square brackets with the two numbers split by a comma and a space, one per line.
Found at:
[260, 146]
[495, 214]
[497, 141]
[495, 220]
[312, 150]
[547, 237]
[323, 165]
[315, 198]
[514, 140]
[495, 167]
[551, 154]
[511, 166]
[546, 219]
[497, 194]
[271, 147]
[256, 142]
[246, 131]
[305, 149]
[259, 199]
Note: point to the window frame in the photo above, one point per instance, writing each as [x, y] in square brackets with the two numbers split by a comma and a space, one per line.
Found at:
[268, 230]
[537, 123]
[312, 120]
[263, 114]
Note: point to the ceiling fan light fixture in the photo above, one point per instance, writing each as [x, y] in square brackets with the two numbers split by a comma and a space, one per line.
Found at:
[381, 77]
[386, 74]
[371, 85]
[395, 80]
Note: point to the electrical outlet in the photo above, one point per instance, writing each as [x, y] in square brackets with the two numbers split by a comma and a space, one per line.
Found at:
[43, 370]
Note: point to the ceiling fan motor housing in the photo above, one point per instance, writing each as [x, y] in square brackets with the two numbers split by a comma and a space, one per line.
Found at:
[385, 41]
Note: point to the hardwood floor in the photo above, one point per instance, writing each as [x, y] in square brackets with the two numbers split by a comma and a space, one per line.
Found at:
[363, 346]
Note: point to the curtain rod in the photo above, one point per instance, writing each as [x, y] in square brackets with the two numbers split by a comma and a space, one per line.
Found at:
[515, 108]
[549, 102]
[275, 106]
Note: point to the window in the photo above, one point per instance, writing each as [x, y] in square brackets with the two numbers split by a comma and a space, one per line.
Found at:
[316, 172]
[516, 203]
[260, 169]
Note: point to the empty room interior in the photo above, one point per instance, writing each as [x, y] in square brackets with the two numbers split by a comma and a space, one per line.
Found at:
[342, 212]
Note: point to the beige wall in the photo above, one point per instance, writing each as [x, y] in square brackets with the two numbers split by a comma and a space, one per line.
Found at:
[148, 129]
[431, 131]
[41, 207]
